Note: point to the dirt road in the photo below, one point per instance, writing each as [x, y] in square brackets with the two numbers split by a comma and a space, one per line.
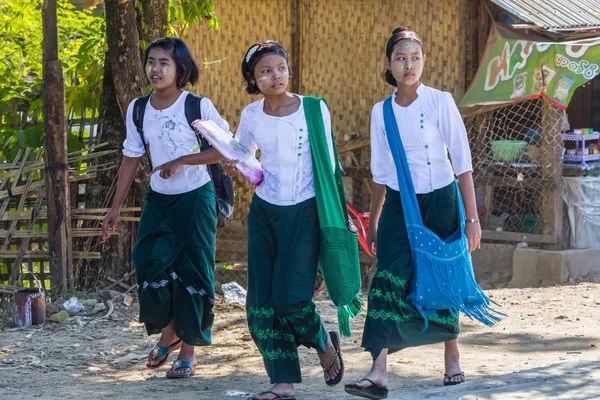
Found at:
[548, 334]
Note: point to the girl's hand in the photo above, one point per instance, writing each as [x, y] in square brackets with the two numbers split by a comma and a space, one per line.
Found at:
[168, 169]
[473, 232]
[229, 166]
[109, 222]
[372, 239]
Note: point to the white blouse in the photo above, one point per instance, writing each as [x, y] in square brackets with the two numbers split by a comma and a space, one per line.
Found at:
[168, 137]
[429, 128]
[284, 152]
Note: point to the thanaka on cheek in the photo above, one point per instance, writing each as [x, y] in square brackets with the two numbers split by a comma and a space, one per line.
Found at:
[167, 72]
[407, 63]
[262, 83]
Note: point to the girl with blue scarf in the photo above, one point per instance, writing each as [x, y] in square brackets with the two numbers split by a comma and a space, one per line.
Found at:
[429, 127]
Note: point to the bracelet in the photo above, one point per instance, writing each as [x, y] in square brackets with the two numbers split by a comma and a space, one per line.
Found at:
[471, 220]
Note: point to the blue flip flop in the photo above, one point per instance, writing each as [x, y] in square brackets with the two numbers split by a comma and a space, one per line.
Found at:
[158, 351]
[180, 364]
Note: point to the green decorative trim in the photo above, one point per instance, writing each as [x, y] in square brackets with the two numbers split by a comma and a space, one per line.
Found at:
[302, 314]
[276, 354]
[450, 319]
[260, 312]
[301, 330]
[388, 296]
[271, 334]
[387, 276]
[385, 315]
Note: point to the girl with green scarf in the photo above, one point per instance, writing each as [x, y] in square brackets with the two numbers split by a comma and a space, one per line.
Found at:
[283, 225]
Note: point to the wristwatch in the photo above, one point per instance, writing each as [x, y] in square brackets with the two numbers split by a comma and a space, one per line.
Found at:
[471, 220]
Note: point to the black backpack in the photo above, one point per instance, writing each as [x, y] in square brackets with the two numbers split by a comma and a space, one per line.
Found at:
[222, 183]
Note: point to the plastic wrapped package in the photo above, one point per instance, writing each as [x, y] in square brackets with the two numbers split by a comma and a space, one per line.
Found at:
[223, 141]
[582, 197]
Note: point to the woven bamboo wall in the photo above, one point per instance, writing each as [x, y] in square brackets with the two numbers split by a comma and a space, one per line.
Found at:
[340, 54]
[343, 50]
[243, 23]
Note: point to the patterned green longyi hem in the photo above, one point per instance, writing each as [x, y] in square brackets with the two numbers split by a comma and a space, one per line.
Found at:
[450, 319]
[260, 312]
[385, 315]
[301, 330]
[388, 296]
[271, 334]
[388, 276]
[302, 314]
[276, 354]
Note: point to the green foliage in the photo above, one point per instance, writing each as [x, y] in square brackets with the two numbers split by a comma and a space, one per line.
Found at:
[82, 47]
[184, 13]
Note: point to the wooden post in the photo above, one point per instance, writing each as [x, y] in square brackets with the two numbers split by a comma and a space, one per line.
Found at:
[552, 149]
[296, 45]
[55, 148]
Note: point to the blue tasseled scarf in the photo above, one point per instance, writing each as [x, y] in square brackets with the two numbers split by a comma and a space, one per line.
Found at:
[442, 276]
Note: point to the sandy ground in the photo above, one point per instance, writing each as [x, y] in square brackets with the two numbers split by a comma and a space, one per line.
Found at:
[548, 347]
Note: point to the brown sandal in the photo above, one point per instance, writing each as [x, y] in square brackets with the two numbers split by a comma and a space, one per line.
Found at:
[373, 391]
[335, 341]
[277, 396]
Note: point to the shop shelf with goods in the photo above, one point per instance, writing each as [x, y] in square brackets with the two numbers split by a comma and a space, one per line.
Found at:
[581, 148]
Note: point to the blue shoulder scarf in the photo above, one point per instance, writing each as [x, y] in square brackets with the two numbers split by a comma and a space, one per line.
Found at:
[442, 276]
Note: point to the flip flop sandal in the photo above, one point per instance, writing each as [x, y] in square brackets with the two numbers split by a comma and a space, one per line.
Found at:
[373, 392]
[335, 340]
[178, 365]
[277, 396]
[448, 379]
[158, 351]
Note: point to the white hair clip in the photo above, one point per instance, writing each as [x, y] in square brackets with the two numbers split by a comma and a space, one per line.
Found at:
[251, 52]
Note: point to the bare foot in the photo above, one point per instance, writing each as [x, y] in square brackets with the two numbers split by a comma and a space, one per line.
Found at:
[378, 374]
[277, 391]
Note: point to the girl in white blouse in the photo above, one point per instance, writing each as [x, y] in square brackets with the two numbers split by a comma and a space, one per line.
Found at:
[174, 254]
[283, 226]
[430, 129]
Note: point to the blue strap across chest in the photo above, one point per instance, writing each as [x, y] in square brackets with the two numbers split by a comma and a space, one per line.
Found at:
[442, 277]
[421, 238]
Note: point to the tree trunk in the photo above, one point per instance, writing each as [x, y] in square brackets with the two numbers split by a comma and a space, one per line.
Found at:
[123, 51]
[116, 251]
[124, 80]
[152, 20]
[128, 75]
[55, 155]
